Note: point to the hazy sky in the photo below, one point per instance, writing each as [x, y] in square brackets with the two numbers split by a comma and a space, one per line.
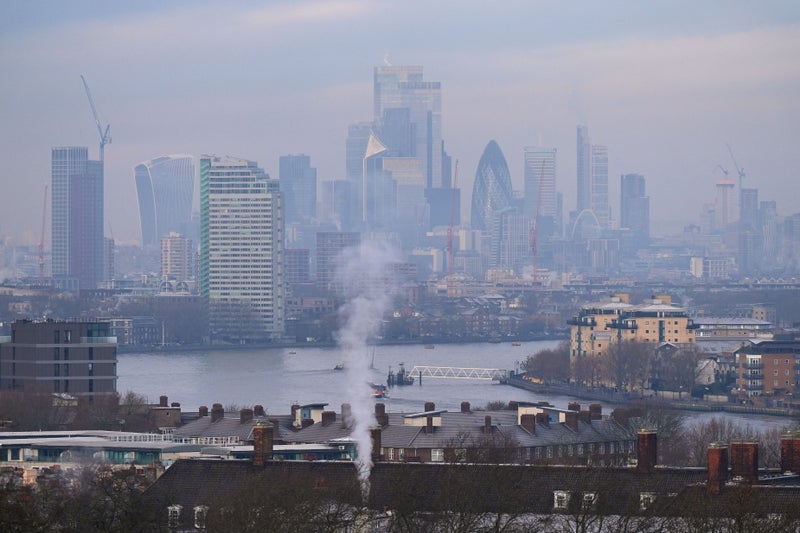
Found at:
[664, 84]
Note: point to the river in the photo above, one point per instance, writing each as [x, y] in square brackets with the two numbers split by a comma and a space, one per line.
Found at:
[278, 377]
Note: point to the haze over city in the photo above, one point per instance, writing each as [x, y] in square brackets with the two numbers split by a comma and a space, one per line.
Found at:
[664, 85]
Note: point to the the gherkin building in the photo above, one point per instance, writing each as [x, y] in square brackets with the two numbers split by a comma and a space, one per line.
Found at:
[492, 191]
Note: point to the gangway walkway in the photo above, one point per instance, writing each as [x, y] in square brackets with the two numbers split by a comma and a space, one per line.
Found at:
[459, 373]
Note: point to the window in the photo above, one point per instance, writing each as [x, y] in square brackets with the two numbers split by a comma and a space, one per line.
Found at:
[390, 455]
[601, 449]
[580, 450]
[589, 500]
[437, 455]
[174, 515]
[560, 500]
[646, 499]
[549, 452]
[200, 513]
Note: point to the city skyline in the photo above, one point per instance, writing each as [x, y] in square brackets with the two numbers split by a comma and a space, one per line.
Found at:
[663, 90]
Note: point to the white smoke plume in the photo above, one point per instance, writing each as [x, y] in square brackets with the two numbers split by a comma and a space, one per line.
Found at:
[365, 277]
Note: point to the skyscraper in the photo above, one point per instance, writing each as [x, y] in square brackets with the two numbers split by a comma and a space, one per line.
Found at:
[241, 249]
[635, 209]
[177, 253]
[592, 174]
[299, 187]
[540, 189]
[77, 218]
[330, 246]
[165, 189]
[491, 192]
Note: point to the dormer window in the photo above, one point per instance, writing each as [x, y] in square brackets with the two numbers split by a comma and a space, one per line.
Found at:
[589, 500]
[174, 515]
[646, 499]
[560, 500]
[200, 513]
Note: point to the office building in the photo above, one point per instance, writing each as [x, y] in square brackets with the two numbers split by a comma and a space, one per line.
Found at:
[331, 246]
[241, 249]
[297, 265]
[592, 175]
[635, 209]
[724, 204]
[76, 358]
[491, 192]
[177, 254]
[77, 218]
[299, 187]
[165, 189]
[540, 203]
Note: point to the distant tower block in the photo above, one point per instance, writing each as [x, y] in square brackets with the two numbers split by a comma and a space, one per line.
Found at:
[724, 204]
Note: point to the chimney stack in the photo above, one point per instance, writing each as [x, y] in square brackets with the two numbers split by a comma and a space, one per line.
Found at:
[245, 416]
[217, 412]
[574, 406]
[529, 423]
[430, 406]
[203, 411]
[258, 410]
[571, 420]
[620, 416]
[262, 443]
[596, 411]
[717, 467]
[790, 452]
[347, 415]
[162, 401]
[487, 424]
[304, 423]
[543, 420]
[375, 436]
[465, 407]
[744, 460]
[328, 418]
[647, 450]
[380, 414]
[429, 425]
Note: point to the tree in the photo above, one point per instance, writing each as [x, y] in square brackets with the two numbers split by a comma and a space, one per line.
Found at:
[626, 364]
[549, 364]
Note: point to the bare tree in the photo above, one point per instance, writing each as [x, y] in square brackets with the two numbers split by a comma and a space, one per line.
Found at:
[627, 364]
[550, 364]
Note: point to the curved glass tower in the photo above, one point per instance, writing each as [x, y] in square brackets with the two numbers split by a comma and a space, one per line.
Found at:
[492, 191]
[165, 187]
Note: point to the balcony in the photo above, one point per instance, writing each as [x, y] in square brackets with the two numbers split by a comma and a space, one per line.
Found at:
[753, 366]
[753, 387]
[758, 376]
[98, 340]
[623, 324]
[582, 321]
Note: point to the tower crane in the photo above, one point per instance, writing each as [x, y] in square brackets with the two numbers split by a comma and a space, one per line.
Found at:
[105, 134]
[450, 250]
[739, 170]
[41, 238]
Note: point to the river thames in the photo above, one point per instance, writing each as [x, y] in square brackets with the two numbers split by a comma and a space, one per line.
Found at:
[278, 377]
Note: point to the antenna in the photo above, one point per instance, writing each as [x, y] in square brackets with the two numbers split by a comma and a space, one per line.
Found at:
[105, 134]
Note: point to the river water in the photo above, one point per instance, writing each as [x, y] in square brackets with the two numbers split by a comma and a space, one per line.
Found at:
[277, 378]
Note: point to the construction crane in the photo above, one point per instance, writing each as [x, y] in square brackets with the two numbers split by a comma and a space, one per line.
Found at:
[41, 238]
[105, 134]
[739, 170]
[450, 250]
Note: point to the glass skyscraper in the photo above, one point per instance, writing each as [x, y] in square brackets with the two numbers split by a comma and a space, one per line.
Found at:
[491, 192]
[77, 218]
[165, 189]
[299, 187]
[540, 189]
[241, 249]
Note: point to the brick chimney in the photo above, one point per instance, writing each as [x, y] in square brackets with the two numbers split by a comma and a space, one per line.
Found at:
[571, 420]
[430, 406]
[790, 451]
[328, 418]
[620, 416]
[380, 414]
[304, 423]
[429, 425]
[596, 411]
[574, 406]
[465, 407]
[487, 424]
[258, 410]
[203, 411]
[744, 460]
[543, 420]
[717, 467]
[217, 412]
[245, 416]
[529, 423]
[162, 401]
[347, 415]
[646, 450]
[262, 443]
[375, 436]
